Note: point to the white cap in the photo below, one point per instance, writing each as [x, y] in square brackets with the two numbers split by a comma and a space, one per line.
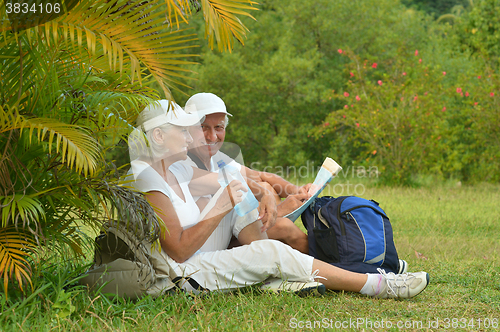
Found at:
[206, 103]
[162, 112]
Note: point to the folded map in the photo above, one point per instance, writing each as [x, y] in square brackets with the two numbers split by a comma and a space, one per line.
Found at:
[328, 170]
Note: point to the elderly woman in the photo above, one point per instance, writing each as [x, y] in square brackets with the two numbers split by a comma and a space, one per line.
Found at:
[171, 186]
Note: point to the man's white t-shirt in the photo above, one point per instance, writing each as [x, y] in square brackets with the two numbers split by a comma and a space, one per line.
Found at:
[214, 167]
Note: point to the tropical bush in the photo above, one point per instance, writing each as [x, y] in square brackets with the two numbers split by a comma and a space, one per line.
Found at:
[71, 85]
[393, 114]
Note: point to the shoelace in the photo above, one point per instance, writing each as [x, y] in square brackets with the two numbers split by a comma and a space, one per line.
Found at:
[392, 277]
[315, 275]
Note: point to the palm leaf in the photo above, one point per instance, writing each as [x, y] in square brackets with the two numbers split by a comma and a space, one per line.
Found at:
[19, 206]
[123, 36]
[177, 11]
[15, 250]
[78, 149]
[222, 24]
[15, 67]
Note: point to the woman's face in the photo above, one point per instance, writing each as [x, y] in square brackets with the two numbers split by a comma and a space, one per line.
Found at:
[176, 140]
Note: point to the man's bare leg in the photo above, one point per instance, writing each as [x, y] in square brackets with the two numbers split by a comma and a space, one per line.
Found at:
[250, 233]
[287, 232]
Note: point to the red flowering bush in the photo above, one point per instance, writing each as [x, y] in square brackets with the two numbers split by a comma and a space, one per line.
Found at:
[408, 118]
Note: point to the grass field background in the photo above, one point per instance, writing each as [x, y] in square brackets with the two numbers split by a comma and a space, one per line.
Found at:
[449, 230]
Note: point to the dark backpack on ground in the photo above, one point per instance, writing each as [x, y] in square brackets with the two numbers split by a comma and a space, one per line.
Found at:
[352, 233]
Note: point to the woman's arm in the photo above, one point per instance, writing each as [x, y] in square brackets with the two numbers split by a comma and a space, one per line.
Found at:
[203, 182]
[181, 244]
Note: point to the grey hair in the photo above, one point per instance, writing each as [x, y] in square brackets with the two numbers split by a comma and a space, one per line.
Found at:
[226, 120]
[157, 150]
[151, 149]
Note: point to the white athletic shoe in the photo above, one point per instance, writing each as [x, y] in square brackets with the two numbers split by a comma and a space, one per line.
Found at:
[403, 266]
[405, 285]
[278, 285]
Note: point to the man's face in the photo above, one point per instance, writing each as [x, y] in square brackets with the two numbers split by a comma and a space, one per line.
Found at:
[208, 140]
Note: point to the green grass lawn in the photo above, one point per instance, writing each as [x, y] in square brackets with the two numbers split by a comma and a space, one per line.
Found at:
[450, 231]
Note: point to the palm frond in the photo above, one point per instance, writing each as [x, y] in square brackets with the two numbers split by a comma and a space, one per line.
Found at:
[78, 149]
[116, 95]
[91, 202]
[222, 24]
[16, 66]
[132, 209]
[123, 36]
[177, 11]
[16, 247]
[24, 207]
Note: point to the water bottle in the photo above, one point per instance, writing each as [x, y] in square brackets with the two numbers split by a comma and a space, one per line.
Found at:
[227, 173]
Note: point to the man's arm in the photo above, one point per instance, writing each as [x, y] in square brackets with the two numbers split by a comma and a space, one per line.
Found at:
[294, 195]
[282, 187]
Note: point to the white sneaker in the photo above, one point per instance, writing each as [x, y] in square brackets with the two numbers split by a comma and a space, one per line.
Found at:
[278, 285]
[405, 285]
[403, 266]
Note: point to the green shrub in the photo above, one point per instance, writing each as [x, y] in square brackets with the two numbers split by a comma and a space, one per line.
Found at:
[408, 117]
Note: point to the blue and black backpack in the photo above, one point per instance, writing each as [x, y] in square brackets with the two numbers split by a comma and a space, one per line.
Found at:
[351, 233]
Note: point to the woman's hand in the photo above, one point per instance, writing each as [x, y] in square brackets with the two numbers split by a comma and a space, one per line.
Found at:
[232, 195]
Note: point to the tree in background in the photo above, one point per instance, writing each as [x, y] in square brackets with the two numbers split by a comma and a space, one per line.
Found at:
[437, 8]
[289, 80]
[278, 85]
[71, 84]
[478, 32]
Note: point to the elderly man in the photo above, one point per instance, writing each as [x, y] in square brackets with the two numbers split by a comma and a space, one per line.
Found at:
[204, 152]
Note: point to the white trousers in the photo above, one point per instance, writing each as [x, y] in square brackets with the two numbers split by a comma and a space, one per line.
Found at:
[246, 265]
[230, 225]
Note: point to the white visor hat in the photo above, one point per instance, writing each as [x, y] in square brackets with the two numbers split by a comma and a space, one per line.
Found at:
[168, 112]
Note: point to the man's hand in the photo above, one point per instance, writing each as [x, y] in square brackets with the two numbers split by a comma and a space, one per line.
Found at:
[305, 189]
[292, 189]
[291, 203]
[268, 211]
